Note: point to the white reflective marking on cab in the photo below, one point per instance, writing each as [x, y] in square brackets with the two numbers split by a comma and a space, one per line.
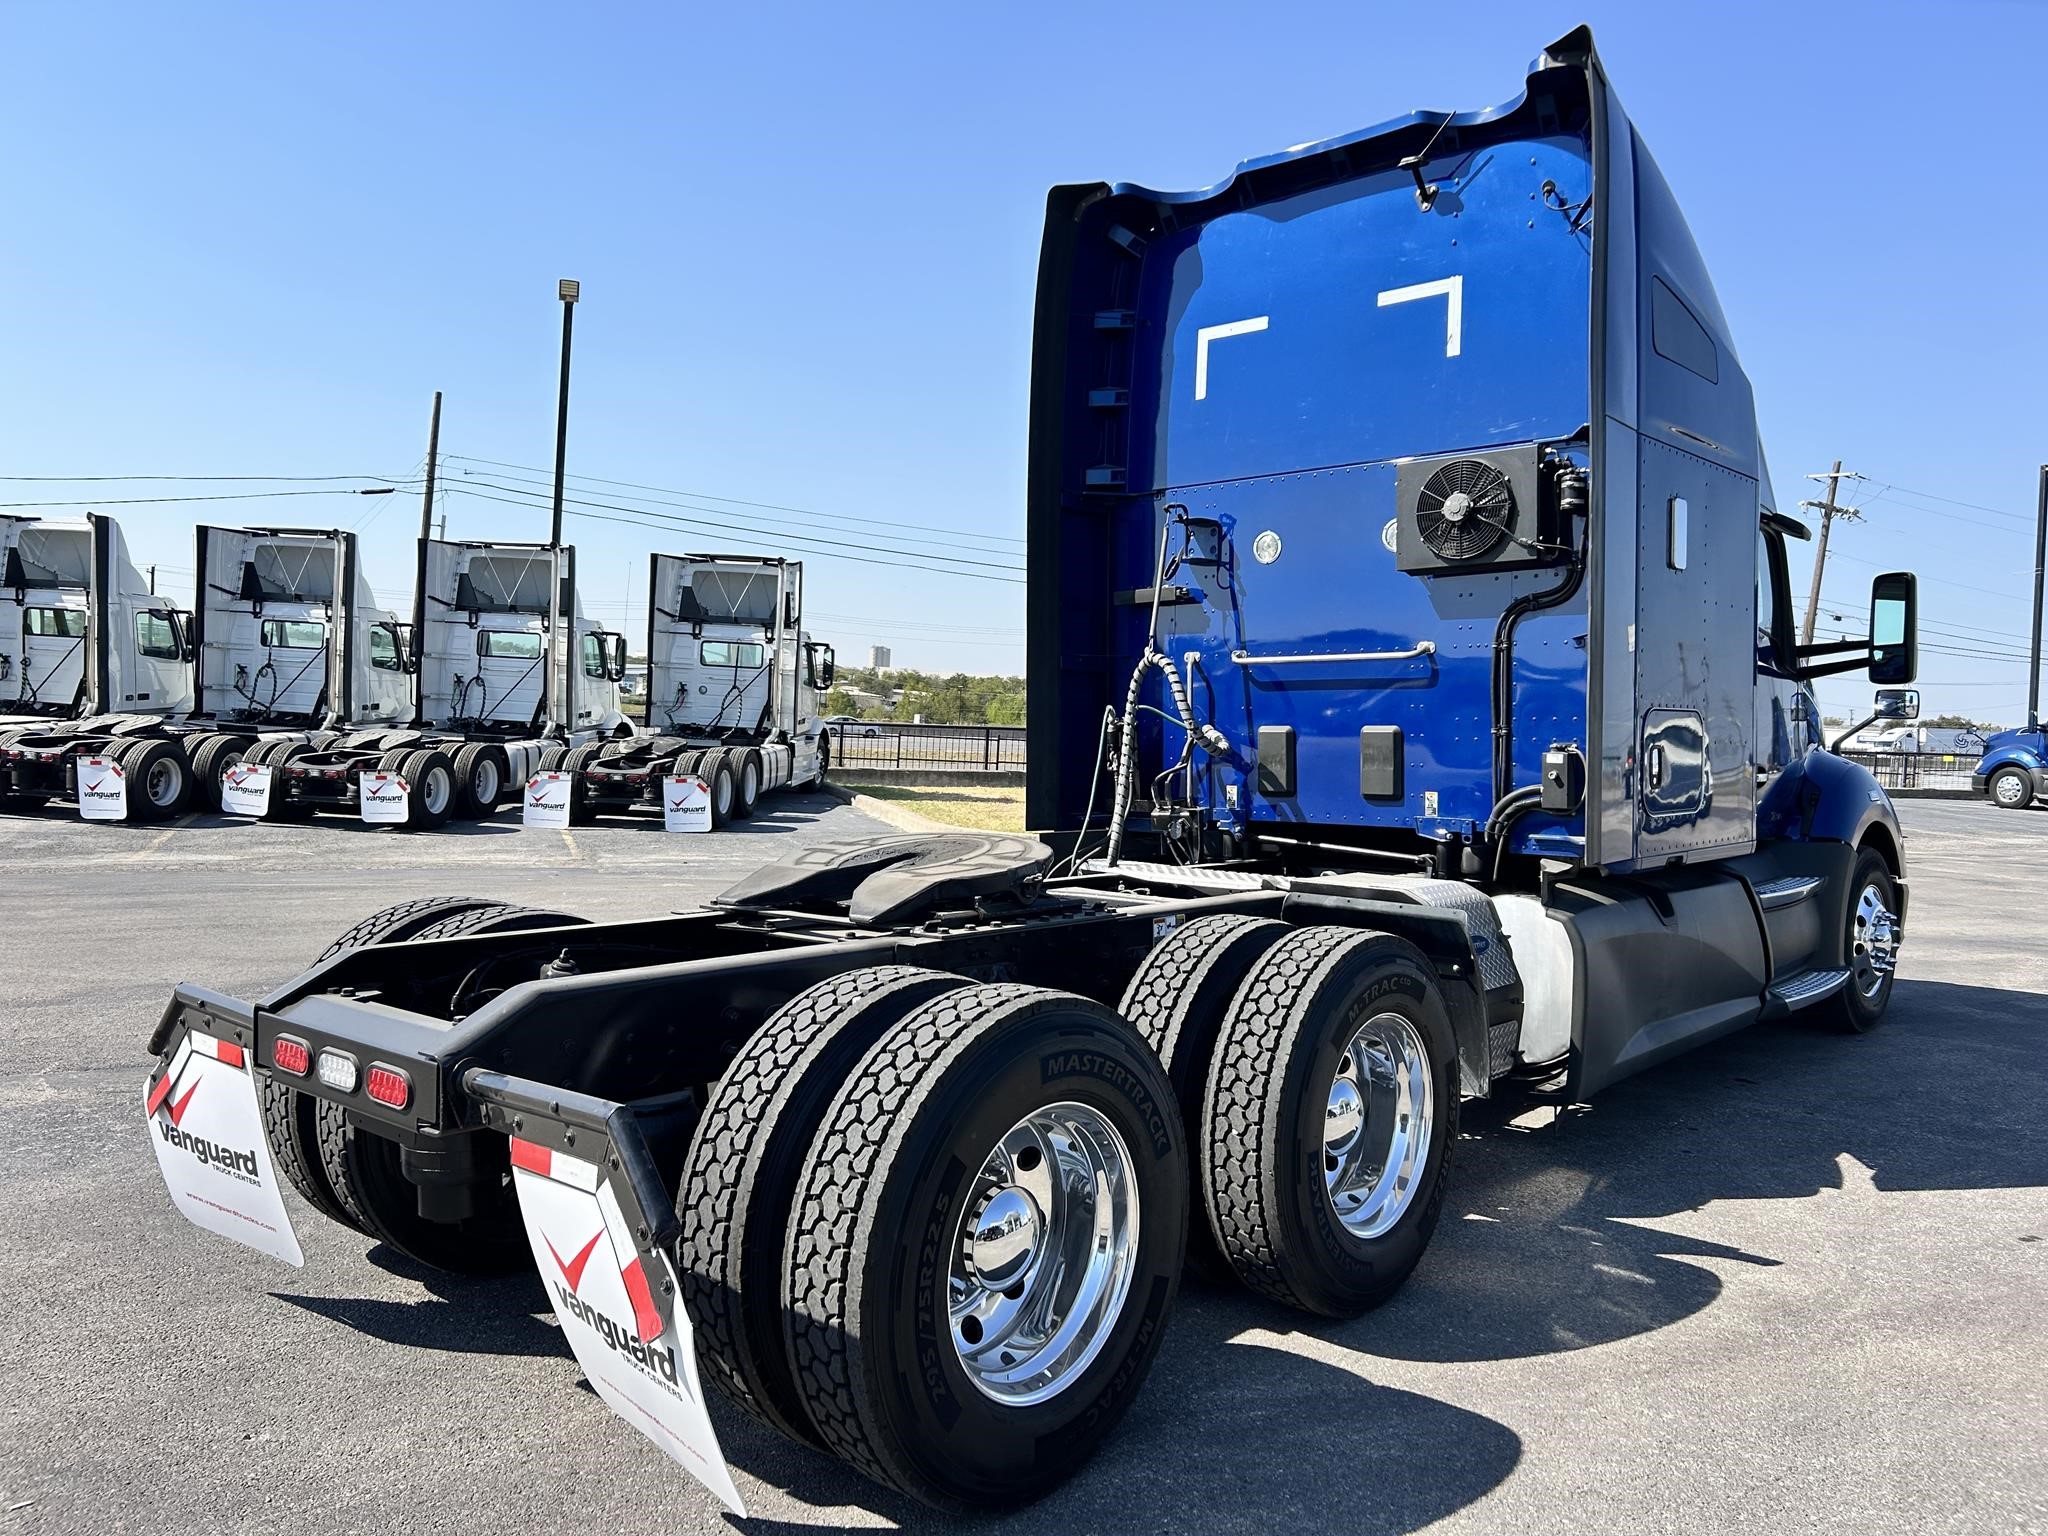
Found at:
[1209, 333]
[1451, 288]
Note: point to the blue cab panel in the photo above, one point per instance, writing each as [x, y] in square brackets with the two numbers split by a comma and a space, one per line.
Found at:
[1252, 396]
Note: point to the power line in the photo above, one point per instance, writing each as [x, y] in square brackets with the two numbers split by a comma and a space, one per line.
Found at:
[199, 479]
[1942, 580]
[1974, 506]
[136, 501]
[643, 522]
[729, 526]
[765, 506]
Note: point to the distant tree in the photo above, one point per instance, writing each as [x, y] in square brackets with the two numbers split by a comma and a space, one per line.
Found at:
[1954, 723]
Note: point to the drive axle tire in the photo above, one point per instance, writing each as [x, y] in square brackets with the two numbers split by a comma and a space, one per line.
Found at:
[212, 756]
[2012, 789]
[365, 1170]
[746, 784]
[581, 812]
[740, 1179]
[432, 779]
[717, 773]
[986, 1245]
[479, 780]
[1177, 1001]
[1331, 1109]
[288, 1115]
[159, 779]
[1870, 948]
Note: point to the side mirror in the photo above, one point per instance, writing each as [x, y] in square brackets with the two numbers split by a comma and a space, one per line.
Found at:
[408, 648]
[1894, 630]
[181, 621]
[615, 650]
[1898, 704]
[823, 666]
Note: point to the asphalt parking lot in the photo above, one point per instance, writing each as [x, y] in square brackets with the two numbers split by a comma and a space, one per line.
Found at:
[1793, 1282]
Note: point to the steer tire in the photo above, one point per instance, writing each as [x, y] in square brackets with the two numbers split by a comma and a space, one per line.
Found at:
[1853, 1010]
[1267, 1101]
[289, 1115]
[890, 1183]
[1178, 1000]
[364, 1169]
[2012, 789]
[740, 1179]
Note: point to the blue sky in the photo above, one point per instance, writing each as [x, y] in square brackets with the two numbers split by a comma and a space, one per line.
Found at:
[255, 239]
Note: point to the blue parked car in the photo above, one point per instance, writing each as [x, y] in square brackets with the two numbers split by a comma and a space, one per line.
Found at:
[2014, 768]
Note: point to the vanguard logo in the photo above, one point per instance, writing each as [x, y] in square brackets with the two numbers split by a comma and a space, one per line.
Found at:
[651, 1358]
[97, 789]
[241, 1164]
[392, 791]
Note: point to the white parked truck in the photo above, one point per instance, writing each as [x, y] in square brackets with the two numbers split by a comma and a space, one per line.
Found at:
[103, 669]
[492, 684]
[732, 694]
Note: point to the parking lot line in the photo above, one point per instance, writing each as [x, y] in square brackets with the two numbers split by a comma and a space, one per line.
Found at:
[160, 839]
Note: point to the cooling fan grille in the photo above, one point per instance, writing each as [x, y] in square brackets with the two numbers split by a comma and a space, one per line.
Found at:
[1464, 509]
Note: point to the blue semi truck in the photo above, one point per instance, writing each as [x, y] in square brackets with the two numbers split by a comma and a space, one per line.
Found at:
[1416, 716]
[2013, 772]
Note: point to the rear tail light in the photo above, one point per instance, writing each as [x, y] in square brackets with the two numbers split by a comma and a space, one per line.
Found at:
[387, 1085]
[337, 1070]
[289, 1055]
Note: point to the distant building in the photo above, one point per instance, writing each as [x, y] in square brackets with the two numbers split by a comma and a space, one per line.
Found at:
[878, 658]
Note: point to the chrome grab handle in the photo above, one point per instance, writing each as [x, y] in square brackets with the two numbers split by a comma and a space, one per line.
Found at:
[1247, 659]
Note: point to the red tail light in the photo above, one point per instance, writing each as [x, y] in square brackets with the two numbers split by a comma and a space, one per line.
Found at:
[387, 1085]
[289, 1055]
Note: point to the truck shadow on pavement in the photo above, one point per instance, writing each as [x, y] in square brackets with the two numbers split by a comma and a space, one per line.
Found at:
[1540, 1251]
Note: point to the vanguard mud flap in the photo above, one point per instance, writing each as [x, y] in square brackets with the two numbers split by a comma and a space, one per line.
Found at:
[206, 1125]
[601, 1222]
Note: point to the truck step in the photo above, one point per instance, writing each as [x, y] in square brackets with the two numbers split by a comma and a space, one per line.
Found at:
[1802, 989]
[1773, 894]
[1502, 1040]
[1179, 874]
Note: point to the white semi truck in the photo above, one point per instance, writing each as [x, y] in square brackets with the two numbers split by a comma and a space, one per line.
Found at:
[732, 693]
[281, 642]
[499, 669]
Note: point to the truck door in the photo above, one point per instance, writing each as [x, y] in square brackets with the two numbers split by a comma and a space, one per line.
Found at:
[1695, 657]
[53, 653]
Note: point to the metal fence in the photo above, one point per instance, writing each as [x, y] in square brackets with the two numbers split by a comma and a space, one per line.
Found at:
[876, 744]
[1908, 771]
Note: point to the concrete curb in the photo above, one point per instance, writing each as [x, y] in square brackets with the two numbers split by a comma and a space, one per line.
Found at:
[887, 810]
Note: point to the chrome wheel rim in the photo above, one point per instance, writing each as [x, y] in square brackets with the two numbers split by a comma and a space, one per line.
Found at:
[1377, 1126]
[750, 789]
[164, 781]
[434, 792]
[1873, 941]
[2010, 788]
[1043, 1257]
[483, 783]
[724, 790]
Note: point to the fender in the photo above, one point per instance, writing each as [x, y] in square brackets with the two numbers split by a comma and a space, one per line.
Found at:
[1825, 798]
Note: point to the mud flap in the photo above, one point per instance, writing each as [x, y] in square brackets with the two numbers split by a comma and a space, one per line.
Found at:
[206, 1125]
[383, 799]
[600, 1224]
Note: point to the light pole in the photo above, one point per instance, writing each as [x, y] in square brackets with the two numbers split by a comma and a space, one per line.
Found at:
[569, 290]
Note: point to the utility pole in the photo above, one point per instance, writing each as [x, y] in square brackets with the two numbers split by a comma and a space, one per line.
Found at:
[2040, 565]
[2037, 599]
[433, 462]
[1828, 513]
[569, 291]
